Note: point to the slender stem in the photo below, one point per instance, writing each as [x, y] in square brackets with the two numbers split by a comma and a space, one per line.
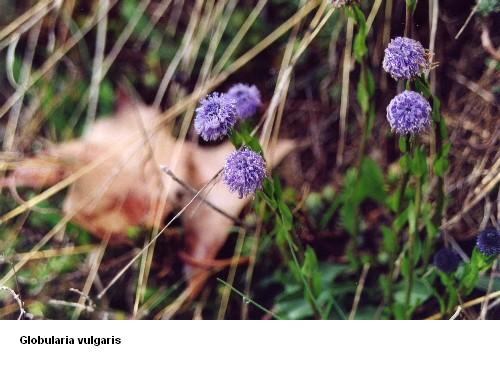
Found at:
[408, 32]
[405, 178]
[365, 132]
[361, 154]
[16, 297]
[307, 287]
[247, 299]
[411, 245]
[473, 11]
[399, 206]
[441, 136]
[193, 191]
[409, 20]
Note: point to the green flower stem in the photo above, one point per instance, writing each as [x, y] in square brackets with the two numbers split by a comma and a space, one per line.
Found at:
[365, 92]
[405, 178]
[307, 286]
[441, 136]
[403, 183]
[410, 8]
[440, 161]
[439, 209]
[411, 245]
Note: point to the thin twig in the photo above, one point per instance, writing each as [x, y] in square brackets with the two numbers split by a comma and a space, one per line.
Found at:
[95, 261]
[484, 305]
[231, 275]
[97, 68]
[16, 297]
[473, 11]
[457, 313]
[359, 290]
[468, 304]
[83, 307]
[193, 191]
[344, 100]
[247, 299]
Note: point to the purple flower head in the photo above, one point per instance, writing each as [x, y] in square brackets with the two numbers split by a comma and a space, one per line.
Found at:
[215, 116]
[447, 260]
[247, 99]
[405, 58]
[488, 242]
[409, 113]
[340, 3]
[244, 172]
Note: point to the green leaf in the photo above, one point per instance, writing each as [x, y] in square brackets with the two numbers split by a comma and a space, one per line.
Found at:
[106, 98]
[267, 194]
[440, 166]
[310, 265]
[286, 215]
[422, 86]
[436, 110]
[403, 144]
[133, 232]
[268, 187]
[359, 17]
[311, 271]
[412, 4]
[389, 239]
[405, 266]
[405, 162]
[362, 95]
[359, 47]
[277, 187]
[419, 163]
[412, 218]
[327, 216]
[243, 137]
[419, 294]
[446, 149]
[477, 264]
[371, 183]
[348, 217]
[281, 236]
[402, 219]
[392, 200]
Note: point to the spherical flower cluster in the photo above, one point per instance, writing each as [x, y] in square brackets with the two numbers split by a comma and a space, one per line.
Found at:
[409, 113]
[488, 242]
[244, 172]
[215, 116]
[405, 58]
[247, 99]
[446, 260]
[340, 3]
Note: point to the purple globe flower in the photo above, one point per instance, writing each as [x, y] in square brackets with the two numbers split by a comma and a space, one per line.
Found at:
[244, 172]
[247, 99]
[447, 260]
[488, 242]
[215, 116]
[340, 3]
[409, 113]
[405, 58]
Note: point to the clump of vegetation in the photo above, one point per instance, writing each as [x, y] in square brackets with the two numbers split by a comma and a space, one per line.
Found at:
[384, 127]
